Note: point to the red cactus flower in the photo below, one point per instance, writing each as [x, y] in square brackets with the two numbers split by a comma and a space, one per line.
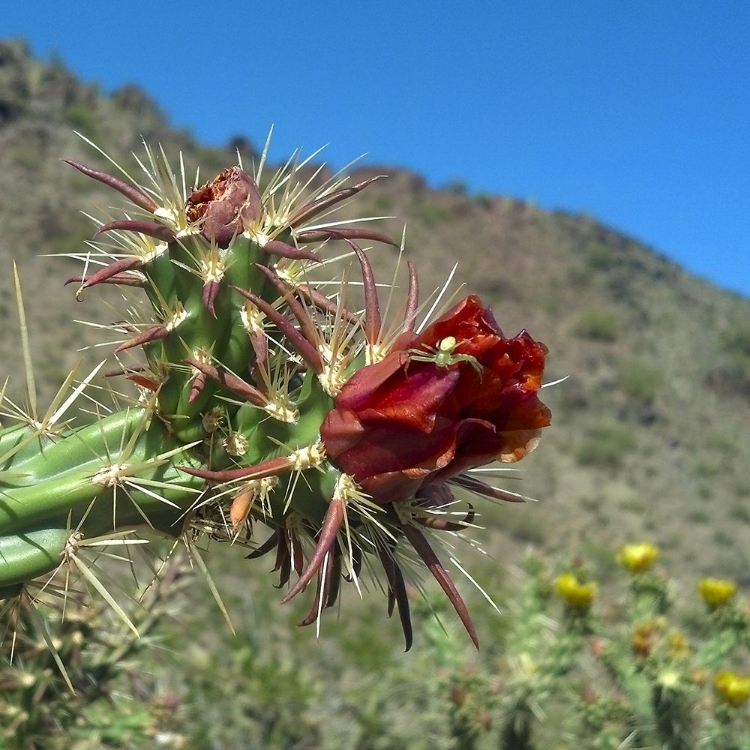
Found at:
[456, 396]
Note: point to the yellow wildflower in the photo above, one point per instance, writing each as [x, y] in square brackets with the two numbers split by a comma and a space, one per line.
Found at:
[733, 688]
[638, 557]
[716, 591]
[575, 594]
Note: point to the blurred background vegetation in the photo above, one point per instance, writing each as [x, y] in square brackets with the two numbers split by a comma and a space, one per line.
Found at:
[649, 433]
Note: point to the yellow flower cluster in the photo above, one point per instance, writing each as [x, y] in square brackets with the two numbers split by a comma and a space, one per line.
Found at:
[577, 595]
[732, 687]
[638, 558]
[716, 591]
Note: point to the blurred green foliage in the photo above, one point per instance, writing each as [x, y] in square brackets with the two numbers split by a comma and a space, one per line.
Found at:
[627, 663]
[607, 445]
[639, 380]
[598, 325]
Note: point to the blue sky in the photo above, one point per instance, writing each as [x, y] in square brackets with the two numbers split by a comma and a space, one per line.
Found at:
[637, 113]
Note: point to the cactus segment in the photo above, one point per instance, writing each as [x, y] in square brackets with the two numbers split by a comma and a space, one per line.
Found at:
[77, 479]
[29, 555]
[264, 402]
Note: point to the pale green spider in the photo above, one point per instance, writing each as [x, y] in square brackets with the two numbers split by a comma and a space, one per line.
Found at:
[442, 355]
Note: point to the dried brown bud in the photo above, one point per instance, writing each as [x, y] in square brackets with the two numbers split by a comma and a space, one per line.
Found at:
[225, 206]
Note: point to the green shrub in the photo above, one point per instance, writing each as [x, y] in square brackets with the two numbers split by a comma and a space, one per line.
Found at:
[81, 118]
[457, 187]
[740, 512]
[638, 381]
[723, 539]
[484, 201]
[606, 446]
[598, 325]
[432, 213]
[524, 527]
[736, 340]
[698, 516]
[600, 257]
[706, 469]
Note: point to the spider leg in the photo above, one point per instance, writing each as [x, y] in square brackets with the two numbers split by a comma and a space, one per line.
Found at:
[473, 361]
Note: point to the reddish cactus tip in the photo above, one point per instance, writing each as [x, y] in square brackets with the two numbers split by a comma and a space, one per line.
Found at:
[119, 279]
[332, 523]
[197, 386]
[306, 349]
[270, 468]
[326, 305]
[259, 343]
[431, 560]
[412, 299]
[288, 556]
[125, 371]
[397, 594]
[316, 207]
[356, 564]
[283, 563]
[154, 333]
[131, 192]
[487, 490]
[105, 274]
[211, 291]
[144, 382]
[337, 233]
[266, 547]
[154, 229]
[284, 250]
[230, 382]
[373, 321]
[443, 524]
[306, 324]
[326, 591]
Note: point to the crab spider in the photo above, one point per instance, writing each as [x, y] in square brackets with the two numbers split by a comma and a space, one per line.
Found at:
[443, 356]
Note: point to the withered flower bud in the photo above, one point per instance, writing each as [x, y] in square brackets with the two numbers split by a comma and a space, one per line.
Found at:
[225, 206]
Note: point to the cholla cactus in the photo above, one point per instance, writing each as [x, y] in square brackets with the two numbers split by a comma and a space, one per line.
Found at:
[42, 705]
[264, 400]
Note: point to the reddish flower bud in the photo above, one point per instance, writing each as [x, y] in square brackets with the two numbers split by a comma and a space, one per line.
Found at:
[456, 396]
[225, 206]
